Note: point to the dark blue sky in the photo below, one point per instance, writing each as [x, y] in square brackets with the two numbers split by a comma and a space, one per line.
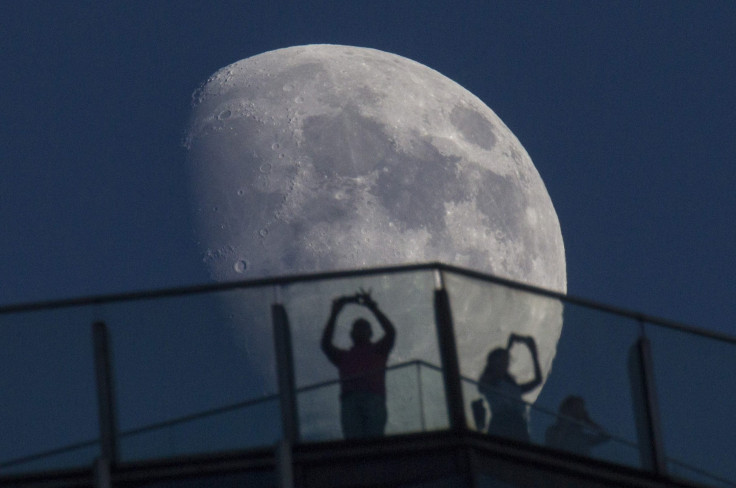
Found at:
[627, 110]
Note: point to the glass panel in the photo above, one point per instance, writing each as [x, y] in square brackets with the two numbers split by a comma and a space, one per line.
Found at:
[587, 396]
[190, 371]
[432, 397]
[49, 401]
[406, 300]
[694, 379]
[236, 426]
[586, 359]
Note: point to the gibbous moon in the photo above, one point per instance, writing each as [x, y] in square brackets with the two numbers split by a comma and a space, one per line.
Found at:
[327, 157]
[323, 157]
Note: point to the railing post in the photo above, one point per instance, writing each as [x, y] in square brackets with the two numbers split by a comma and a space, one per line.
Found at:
[287, 392]
[284, 464]
[101, 471]
[646, 408]
[422, 419]
[448, 356]
[106, 405]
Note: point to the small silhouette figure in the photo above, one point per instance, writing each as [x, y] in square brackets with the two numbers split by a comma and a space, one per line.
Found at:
[503, 393]
[362, 368]
[574, 430]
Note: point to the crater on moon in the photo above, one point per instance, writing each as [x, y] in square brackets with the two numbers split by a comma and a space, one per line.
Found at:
[473, 127]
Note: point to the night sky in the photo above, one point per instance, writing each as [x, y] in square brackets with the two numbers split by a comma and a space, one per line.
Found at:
[627, 109]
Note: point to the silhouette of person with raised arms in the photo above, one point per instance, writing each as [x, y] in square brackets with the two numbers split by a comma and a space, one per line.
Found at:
[504, 394]
[574, 430]
[362, 368]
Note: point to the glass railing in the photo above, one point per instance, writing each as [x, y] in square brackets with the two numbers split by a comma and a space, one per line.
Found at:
[694, 378]
[404, 299]
[583, 367]
[80, 454]
[178, 355]
[195, 371]
[246, 424]
[415, 403]
[415, 388]
[47, 389]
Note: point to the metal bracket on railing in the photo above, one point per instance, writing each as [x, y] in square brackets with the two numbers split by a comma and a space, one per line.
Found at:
[284, 464]
[101, 472]
[646, 408]
[105, 392]
[106, 405]
[277, 298]
[439, 280]
[285, 373]
[450, 363]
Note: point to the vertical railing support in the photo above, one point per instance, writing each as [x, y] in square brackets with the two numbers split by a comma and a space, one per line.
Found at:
[284, 464]
[106, 405]
[448, 356]
[101, 472]
[287, 393]
[285, 373]
[646, 408]
[420, 391]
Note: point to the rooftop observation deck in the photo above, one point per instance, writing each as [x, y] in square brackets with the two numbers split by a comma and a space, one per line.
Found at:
[227, 383]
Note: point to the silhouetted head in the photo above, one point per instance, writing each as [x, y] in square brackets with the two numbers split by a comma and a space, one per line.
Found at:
[362, 332]
[498, 362]
[574, 407]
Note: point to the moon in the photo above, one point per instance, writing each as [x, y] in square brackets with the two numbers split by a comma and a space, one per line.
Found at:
[327, 157]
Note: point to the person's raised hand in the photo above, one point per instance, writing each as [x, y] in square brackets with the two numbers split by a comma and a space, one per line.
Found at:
[364, 298]
[339, 302]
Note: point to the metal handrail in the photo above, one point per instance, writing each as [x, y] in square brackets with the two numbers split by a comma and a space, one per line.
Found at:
[286, 280]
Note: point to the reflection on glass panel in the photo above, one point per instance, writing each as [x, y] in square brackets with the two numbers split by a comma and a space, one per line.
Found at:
[178, 357]
[70, 456]
[319, 412]
[503, 334]
[47, 361]
[406, 413]
[432, 397]
[587, 405]
[405, 301]
[487, 319]
[694, 379]
[415, 401]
